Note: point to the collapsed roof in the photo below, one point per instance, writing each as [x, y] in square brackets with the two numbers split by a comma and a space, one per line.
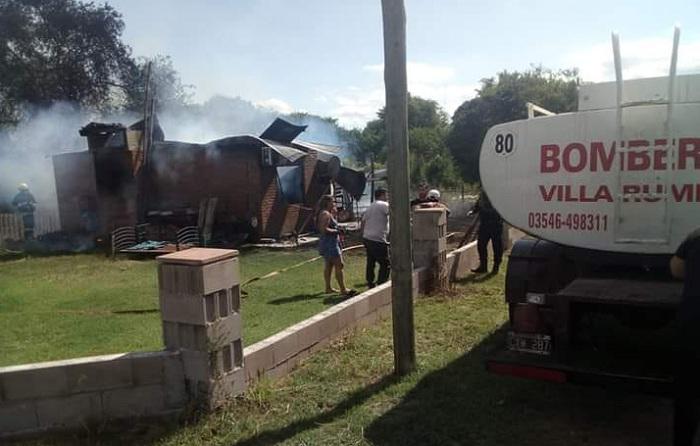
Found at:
[279, 137]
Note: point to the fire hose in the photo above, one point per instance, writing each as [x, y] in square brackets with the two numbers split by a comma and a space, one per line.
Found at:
[254, 279]
[297, 265]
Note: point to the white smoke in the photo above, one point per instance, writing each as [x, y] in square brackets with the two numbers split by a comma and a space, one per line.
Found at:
[222, 116]
[26, 150]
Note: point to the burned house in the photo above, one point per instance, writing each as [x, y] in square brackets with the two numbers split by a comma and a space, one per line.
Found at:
[96, 189]
[259, 186]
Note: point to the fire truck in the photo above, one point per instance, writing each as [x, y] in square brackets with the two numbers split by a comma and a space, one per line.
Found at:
[606, 194]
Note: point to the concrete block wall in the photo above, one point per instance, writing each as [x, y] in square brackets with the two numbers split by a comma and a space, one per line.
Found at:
[430, 245]
[462, 260]
[205, 361]
[277, 355]
[75, 393]
[200, 302]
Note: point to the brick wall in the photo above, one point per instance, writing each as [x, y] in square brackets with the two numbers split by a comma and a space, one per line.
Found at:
[77, 392]
[279, 218]
[292, 218]
[271, 213]
[182, 177]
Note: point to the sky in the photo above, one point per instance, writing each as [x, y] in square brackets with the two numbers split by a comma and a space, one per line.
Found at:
[326, 56]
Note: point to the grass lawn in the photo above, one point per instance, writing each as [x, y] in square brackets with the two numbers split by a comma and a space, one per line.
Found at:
[347, 395]
[79, 305]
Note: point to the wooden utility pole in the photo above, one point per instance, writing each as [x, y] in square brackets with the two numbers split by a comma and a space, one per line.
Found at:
[142, 159]
[371, 189]
[146, 111]
[396, 118]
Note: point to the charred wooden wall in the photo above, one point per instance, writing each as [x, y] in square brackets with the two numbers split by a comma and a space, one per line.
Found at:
[75, 186]
[182, 177]
[179, 178]
[96, 191]
[116, 188]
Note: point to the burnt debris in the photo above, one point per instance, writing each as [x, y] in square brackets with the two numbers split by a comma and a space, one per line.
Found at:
[231, 189]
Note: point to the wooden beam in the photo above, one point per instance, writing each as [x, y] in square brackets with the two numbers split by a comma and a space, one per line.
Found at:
[396, 118]
[141, 160]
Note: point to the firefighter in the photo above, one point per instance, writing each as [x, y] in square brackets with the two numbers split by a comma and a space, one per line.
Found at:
[25, 204]
[490, 228]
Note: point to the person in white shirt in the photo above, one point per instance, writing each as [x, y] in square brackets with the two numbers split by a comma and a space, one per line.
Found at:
[375, 231]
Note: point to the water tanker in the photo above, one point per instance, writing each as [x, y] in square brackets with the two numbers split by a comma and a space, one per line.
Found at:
[606, 193]
[605, 178]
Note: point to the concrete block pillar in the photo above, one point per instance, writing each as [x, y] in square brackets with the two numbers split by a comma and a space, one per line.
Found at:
[200, 302]
[430, 245]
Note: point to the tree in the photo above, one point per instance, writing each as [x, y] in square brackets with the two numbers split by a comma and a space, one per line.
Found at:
[59, 50]
[504, 100]
[429, 156]
[431, 161]
[372, 142]
[164, 81]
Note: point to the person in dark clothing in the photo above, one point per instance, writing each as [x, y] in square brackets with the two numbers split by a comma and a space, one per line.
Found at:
[490, 229]
[685, 264]
[422, 195]
[25, 204]
[375, 233]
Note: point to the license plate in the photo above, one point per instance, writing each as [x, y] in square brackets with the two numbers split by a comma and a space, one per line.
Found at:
[530, 343]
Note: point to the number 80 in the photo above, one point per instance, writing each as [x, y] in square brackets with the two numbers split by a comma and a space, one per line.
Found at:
[504, 143]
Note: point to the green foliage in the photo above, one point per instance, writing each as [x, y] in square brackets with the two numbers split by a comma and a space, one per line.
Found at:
[71, 51]
[372, 142]
[164, 82]
[59, 50]
[430, 159]
[503, 100]
[428, 124]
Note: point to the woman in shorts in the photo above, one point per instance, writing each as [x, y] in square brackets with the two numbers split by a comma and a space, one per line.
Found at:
[329, 246]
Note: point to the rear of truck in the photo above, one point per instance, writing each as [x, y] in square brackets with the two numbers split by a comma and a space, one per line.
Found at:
[606, 195]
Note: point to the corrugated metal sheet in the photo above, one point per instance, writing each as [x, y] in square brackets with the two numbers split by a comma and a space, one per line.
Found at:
[282, 131]
[284, 150]
[246, 142]
[325, 153]
[331, 150]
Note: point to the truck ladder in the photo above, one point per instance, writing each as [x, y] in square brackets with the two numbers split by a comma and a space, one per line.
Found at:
[669, 148]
